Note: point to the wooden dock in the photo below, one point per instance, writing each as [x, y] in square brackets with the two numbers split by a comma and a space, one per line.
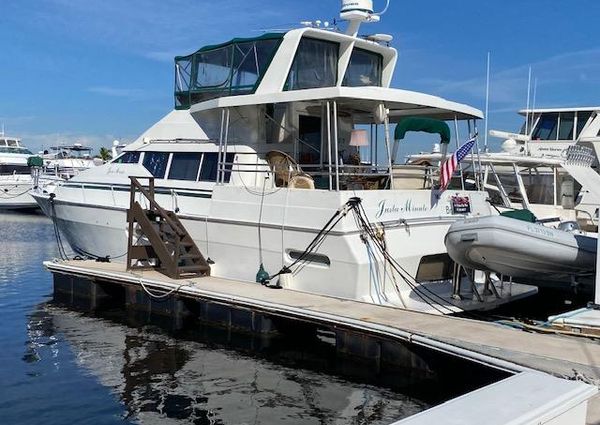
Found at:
[483, 342]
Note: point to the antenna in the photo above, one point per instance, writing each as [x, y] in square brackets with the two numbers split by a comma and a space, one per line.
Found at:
[527, 113]
[534, 99]
[487, 104]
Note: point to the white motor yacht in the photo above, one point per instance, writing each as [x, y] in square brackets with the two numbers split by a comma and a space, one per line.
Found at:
[16, 179]
[66, 161]
[527, 172]
[277, 159]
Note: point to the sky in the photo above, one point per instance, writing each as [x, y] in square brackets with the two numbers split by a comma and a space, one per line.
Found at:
[92, 71]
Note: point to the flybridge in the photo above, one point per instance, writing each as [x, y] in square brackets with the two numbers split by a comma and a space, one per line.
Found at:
[319, 58]
[245, 66]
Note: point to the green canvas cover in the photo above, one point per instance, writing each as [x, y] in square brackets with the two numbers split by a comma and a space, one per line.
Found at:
[427, 125]
[35, 161]
[523, 215]
[266, 36]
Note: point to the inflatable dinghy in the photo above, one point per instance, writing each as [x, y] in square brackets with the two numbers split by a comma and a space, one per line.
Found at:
[522, 249]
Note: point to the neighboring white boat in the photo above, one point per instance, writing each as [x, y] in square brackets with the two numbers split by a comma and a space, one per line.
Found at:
[16, 179]
[265, 147]
[527, 173]
[66, 161]
[523, 249]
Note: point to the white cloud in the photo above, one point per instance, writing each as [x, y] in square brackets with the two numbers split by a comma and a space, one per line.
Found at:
[509, 86]
[117, 92]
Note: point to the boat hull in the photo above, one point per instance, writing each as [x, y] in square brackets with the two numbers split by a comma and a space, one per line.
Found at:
[226, 231]
[14, 193]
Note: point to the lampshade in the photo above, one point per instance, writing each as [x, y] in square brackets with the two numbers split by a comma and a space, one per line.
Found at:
[359, 138]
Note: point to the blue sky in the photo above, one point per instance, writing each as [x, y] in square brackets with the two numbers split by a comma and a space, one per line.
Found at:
[95, 70]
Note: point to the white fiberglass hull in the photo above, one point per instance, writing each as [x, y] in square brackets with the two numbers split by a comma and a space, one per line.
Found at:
[521, 249]
[14, 192]
[226, 229]
[239, 228]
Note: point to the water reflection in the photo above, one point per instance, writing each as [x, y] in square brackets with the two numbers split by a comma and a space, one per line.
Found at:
[163, 379]
[22, 238]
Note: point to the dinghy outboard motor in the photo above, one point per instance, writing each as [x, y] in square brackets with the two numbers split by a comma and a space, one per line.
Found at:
[569, 226]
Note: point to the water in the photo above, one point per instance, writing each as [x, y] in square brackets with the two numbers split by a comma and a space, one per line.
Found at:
[58, 366]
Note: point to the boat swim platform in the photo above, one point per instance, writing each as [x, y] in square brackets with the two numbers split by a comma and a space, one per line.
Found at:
[486, 343]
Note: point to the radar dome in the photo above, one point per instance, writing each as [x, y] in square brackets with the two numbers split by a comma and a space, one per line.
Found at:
[509, 145]
[358, 10]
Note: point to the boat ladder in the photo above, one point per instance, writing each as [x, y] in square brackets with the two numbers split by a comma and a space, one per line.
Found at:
[157, 239]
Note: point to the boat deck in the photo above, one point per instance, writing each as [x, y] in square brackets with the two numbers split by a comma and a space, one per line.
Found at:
[485, 342]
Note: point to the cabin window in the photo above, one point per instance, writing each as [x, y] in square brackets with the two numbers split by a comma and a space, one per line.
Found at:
[582, 119]
[128, 158]
[11, 142]
[250, 61]
[185, 166]
[183, 81]
[434, 267]
[213, 68]
[546, 128]
[208, 172]
[567, 121]
[315, 65]
[539, 185]
[364, 69]
[4, 149]
[156, 163]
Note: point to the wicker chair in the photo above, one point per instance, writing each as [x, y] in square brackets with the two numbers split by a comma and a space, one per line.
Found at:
[287, 171]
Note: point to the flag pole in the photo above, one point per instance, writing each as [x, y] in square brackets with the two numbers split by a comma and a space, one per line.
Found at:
[442, 160]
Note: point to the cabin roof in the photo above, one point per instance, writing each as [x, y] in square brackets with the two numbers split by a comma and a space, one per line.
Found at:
[551, 110]
[401, 103]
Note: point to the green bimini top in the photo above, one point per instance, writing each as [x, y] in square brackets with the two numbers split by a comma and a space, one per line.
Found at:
[427, 125]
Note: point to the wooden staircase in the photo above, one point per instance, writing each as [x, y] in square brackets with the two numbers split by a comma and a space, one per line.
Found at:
[158, 240]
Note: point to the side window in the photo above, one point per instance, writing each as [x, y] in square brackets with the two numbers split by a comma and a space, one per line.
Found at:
[184, 166]
[315, 65]
[546, 128]
[209, 168]
[582, 119]
[567, 121]
[208, 173]
[128, 158]
[364, 69]
[156, 163]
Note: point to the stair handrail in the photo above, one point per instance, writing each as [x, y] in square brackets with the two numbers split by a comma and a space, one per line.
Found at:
[149, 195]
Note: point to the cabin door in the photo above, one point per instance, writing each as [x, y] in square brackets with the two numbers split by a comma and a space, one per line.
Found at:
[309, 133]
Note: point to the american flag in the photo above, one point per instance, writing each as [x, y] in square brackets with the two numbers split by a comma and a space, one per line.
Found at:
[451, 163]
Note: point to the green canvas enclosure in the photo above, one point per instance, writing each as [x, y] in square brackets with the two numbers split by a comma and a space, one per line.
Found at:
[228, 69]
[427, 125]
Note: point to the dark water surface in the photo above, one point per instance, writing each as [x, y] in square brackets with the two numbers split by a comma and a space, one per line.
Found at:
[59, 366]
